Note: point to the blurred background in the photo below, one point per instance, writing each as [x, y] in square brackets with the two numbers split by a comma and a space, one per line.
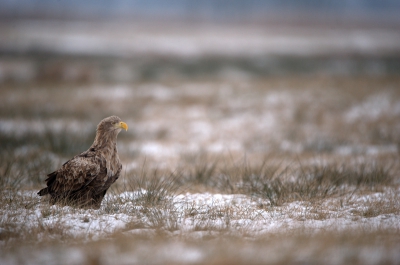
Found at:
[124, 41]
[259, 76]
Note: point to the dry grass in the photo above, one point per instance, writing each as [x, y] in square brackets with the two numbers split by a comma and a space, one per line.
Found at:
[311, 165]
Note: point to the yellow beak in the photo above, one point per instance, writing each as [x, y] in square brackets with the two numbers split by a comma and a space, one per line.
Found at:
[123, 125]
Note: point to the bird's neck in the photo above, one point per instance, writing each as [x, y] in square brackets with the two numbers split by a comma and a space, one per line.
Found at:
[107, 143]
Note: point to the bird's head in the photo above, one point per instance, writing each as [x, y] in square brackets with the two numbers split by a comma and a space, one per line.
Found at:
[112, 124]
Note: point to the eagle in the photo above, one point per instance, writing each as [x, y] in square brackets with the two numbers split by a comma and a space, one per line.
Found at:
[84, 180]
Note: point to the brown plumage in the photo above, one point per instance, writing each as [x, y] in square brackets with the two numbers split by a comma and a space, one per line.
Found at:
[83, 180]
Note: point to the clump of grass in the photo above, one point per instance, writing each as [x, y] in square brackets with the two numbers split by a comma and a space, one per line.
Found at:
[214, 219]
[203, 173]
[26, 159]
[373, 207]
[152, 188]
[285, 182]
[311, 182]
[155, 196]
[150, 201]
[162, 218]
[10, 175]
[20, 222]
[23, 170]
[199, 171]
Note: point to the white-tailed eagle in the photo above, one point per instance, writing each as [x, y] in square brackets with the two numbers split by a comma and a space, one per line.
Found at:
[84, 180]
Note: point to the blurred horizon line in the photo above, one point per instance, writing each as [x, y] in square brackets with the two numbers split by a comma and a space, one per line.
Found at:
[372, 11]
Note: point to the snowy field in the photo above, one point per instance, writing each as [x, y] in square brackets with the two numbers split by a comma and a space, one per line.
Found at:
[275, 170]
[206, 218]
[229, 167]
[206, 215]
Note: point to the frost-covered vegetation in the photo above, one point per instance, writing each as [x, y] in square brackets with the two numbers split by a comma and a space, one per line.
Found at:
[230, 168]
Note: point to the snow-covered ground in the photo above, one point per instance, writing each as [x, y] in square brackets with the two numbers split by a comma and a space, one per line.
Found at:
[205, 214]
[197, 217]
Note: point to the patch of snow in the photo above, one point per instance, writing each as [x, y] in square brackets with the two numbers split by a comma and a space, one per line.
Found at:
[368, 150]
[155, 148]
[156, 91]
[200, 215]
[373, 108]
[107, 93]
[226, 146]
